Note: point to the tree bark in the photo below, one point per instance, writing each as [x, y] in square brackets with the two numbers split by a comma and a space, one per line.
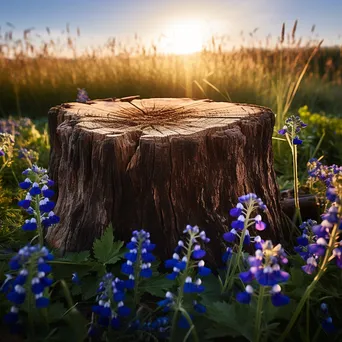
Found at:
[158, 165]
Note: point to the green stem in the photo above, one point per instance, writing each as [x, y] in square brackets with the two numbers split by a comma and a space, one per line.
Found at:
[137, 273]
[257, 327]
[178, 304]
[230, 277]
[308, 319]
[67, 294]
[30, 300]
[174, 324]
[4, 165]
[14, 176]
[39, 222]
[192, 327]
[310, 288]
[296, 183]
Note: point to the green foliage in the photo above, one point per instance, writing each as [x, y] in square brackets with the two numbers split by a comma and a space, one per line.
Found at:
[230, 320]
[105, 251]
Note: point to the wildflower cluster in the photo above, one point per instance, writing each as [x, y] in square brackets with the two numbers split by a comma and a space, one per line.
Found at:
[306, 238]
[38, 201]
[30, 155]
[12, 126]
[265, 269]
[6, 144]
[159, 327]
[247, 204]
[139, 258]
[319, 172]
[187, 266]
[32, 279]
[316, 239]
[110, 302]
[293, 126]
[325, 175]
[82, 96]
[321, 235]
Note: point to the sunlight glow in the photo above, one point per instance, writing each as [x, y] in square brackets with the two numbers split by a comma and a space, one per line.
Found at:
[183, 37]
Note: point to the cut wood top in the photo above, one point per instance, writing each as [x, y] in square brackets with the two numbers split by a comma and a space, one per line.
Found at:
[156, 116]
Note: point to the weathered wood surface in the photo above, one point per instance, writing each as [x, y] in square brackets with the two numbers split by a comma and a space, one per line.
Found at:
[159, 164]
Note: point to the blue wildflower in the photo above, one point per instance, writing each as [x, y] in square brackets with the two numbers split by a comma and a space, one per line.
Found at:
[265, 269]
[200, 308]
[327, 322]
[39, 195]
[82, 96]
[110, 307]
[297, 141]
[37, 257]
[26, 184]
[277, 298]
[245, 297]
[202, 270]
[139, 258]
[227, 255]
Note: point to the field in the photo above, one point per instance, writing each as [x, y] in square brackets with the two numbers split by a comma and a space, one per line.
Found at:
[47, 296]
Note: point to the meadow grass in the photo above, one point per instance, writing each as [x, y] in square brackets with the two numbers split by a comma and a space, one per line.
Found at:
[282, 75]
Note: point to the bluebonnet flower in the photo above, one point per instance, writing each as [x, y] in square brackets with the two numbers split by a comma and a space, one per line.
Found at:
[247, 203]
[227, 255]
[139, 258]
[265, 269]
[245, 297]
[305, 239]
[35, 259]
[167, 302]
[186, 258]
[277, 298]
[110, 306]
[159, 327]
[14, 126]
[75, 279]
[293, 126]
[28, 154]
[315, 239]
[337, 253]
[82, 96]
[326, 320]
[6, 145]
[180, 265]
[325, 174]
[38, 201]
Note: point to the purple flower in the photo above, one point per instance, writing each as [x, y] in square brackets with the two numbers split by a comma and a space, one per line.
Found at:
[265, 269]
[283, 131]
[297, 141]
[33, 259]
[245, 297]
[277, 298]
[82, 96]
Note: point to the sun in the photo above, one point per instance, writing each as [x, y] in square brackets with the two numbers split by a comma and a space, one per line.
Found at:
[183, 37]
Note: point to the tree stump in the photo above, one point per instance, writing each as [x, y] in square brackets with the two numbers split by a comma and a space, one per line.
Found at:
[159, 164]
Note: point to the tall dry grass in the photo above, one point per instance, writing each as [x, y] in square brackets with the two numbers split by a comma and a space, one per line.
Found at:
[282, 74]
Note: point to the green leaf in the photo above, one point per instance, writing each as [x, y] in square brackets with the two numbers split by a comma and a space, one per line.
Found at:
[217, 331]
[157, 286]
[77, 257]
[212, 291]
[89, 287]
[105, 249]
[56, 311]
[237, 318]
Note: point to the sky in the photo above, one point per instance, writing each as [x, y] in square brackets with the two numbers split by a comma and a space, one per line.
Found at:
[183, 19]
